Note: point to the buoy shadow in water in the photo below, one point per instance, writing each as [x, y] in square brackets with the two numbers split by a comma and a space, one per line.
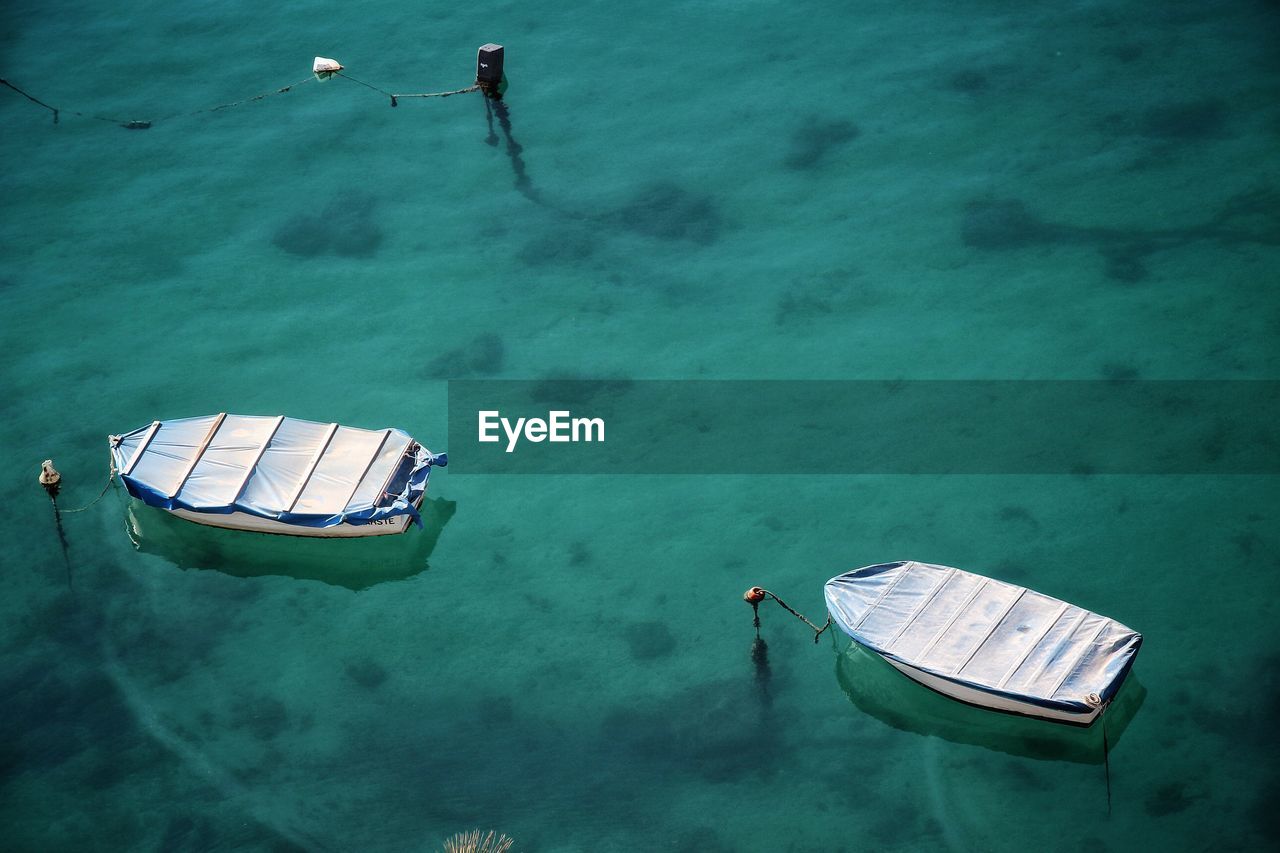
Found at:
[356, 563]
[875, 687]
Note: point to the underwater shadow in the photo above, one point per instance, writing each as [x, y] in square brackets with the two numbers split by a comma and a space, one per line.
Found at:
[876, 688]
[1251, 217]
[352, 563]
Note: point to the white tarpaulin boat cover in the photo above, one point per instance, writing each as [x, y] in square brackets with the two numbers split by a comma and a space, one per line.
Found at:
[294, 471]
[991, 636]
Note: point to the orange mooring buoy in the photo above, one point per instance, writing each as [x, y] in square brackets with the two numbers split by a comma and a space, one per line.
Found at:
[754, 596]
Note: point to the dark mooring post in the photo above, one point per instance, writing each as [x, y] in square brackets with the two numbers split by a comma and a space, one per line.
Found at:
[489, 76]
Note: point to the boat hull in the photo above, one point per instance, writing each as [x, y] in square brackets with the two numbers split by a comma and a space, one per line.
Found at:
[257, 524]
[991, 701]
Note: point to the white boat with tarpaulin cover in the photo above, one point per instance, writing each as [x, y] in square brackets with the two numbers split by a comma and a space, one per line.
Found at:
[277, 474]
[984, 641]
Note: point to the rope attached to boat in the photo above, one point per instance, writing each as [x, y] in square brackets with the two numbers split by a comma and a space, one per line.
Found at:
[111, 474]
[756, 594]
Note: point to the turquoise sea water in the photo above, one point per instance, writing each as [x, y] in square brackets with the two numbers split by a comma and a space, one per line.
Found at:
[869, 190]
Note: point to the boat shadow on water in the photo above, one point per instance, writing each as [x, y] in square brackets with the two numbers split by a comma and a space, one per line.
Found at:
[875, 687]
[354, 563]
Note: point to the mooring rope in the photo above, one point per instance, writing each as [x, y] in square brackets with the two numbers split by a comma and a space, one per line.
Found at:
[325, 69]
[280, 91]
[756, 594]
[111, 473]
[33, 99]
[436, 94]
[143, 124]
[362, 83]
[396, 97]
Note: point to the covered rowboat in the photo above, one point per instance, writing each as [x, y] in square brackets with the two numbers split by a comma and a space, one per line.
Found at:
[985, 642]
[277, 474]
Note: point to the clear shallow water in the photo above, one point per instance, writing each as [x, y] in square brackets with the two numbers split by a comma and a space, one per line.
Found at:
[1065, 191]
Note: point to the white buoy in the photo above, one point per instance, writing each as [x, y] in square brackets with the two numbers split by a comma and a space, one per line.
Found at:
[50, 478]
[324, 68]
